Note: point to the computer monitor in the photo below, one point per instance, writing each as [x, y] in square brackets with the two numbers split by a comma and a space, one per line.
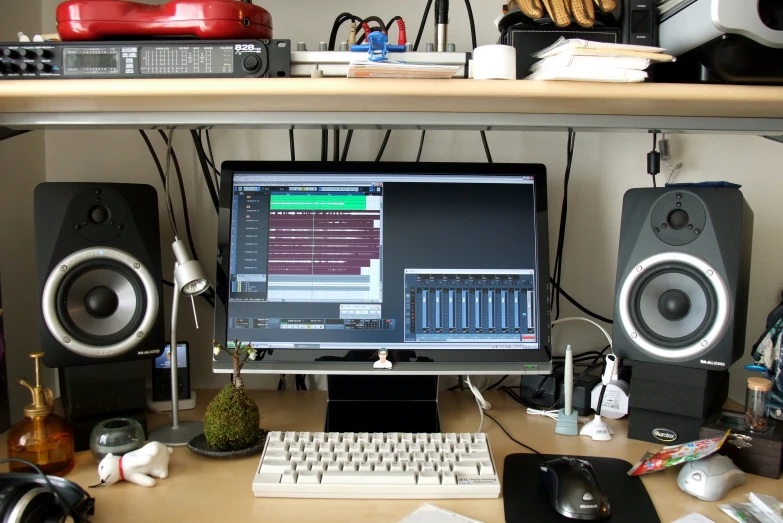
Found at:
[442, 265]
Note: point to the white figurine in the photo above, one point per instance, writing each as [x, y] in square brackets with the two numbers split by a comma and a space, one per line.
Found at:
[139, 467]
[382, 362]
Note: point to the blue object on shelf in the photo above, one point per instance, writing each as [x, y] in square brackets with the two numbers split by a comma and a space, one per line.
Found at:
[377, 46]
[756, 368]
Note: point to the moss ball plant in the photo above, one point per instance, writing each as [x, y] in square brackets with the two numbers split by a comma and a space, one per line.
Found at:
[231, 421]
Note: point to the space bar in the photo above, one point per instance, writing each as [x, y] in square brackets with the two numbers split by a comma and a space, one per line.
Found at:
[334, 477]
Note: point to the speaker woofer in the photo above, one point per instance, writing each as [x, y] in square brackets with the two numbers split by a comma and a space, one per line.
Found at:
[674, 306]
[100, 303]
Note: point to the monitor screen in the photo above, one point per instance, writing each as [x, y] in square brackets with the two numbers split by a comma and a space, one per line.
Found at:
[335, 263]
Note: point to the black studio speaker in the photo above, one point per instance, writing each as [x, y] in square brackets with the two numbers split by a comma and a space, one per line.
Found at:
[99, 284]
[682, 276]
[99, 272]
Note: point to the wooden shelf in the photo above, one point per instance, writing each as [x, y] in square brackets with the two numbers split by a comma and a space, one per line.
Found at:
[358, 103]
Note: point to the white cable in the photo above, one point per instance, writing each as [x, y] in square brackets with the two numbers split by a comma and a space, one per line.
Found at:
[579, 318]
[480, 401]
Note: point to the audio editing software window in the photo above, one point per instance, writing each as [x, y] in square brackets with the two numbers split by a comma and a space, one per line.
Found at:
[370, 262]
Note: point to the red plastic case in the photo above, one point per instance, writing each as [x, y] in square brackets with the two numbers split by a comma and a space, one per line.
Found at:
[79, 20]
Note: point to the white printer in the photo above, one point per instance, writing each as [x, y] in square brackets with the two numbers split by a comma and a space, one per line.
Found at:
[725, 41]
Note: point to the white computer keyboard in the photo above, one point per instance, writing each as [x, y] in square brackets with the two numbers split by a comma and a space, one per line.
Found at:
[376, 465]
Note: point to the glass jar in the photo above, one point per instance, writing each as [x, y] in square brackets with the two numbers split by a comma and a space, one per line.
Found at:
[46, 441]
[41, 437]
[117, 435]
[756, 404]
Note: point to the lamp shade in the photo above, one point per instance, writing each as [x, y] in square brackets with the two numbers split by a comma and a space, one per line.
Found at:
[188, 273]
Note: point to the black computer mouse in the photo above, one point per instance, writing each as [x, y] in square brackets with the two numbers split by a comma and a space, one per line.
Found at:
[573, 489]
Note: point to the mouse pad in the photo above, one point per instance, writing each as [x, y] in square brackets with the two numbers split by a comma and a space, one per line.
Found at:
[525, 500]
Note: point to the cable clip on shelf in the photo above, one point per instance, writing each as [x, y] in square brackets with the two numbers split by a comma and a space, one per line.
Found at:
[377, 46]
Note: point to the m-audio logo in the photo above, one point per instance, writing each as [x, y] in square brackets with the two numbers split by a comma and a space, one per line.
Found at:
[665, 435]
[714, 363]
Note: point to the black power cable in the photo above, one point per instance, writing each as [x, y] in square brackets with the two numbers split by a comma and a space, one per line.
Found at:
[486, 146]
[324, 145]
[202, 158]
[157, 164]
[422, 25]
[291, 144]
[498, 382]
[421, 146]
[212, 160]
[347, 145]
[515, 440]
[340, 20]
[336, 147]
[383, 146]
[577, 304]
[554, 301]
[185, 212]
[654, 160]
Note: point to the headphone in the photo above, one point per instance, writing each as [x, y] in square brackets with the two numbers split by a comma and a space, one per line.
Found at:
[38, 498]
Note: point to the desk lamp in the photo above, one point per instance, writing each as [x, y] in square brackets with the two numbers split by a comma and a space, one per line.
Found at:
[189, 281]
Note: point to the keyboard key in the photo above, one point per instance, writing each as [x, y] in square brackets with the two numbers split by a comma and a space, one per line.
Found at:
[427, 467]
[343, 457]
[433, 456]
[421, 437]
[296, 456]
[377, 437]
[311, 447]
[319, 436]
[373, 457]
[309, 477]
[400, 447]
[272, 479]
[276, 454]
[419, 456]
[288, 478]
[385, 447]
[349, 437]
[303, 466]
[449, 457]
[427, 477]
[431, 447]
[474, 457]
[479, 436]
[368, 478]
[290, 436]
[451, 437]
[478, 446]
[382, 467]
[336, 467]
[340, 447]
[448, 478]
[465, 438]
[275, 435]
[318, 467]
[465, 469]
[403, 457]
[327, 456]
[392, 437]
[356, 448]
[407, 437]
[364, 437]
[485, 469]
[366, 467]
[277, 445]
[311, 457]
[396, 467]
[334, 437]
[275, 466]
[305, 436]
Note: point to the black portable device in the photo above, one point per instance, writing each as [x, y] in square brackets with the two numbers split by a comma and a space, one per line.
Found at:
[161, 373]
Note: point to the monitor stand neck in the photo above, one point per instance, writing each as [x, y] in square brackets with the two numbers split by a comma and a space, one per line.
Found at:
[374, 403]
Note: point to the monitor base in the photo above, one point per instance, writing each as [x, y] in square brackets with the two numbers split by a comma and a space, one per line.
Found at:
[382, 404]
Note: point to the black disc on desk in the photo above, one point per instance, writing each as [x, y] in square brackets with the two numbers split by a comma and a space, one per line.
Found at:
[525, 501]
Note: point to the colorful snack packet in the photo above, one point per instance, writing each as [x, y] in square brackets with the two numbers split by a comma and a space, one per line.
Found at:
[677, 455]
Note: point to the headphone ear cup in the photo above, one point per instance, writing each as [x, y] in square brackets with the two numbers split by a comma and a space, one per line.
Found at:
[9, 496]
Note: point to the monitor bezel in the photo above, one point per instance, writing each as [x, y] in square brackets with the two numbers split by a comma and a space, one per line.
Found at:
[333, 361]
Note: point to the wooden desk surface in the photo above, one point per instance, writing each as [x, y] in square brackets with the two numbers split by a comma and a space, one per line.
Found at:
[390, 95]
[205, 490]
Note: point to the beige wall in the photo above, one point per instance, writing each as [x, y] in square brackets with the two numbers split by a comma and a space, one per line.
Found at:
[605, 166]
[22, 167]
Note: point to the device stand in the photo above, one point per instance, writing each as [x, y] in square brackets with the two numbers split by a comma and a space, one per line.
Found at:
[382, 404]
[567, 425]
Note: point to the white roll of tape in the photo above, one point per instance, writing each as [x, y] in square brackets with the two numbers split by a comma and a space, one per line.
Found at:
[495, 62]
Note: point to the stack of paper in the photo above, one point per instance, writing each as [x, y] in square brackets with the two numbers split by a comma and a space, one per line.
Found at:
[584, 60]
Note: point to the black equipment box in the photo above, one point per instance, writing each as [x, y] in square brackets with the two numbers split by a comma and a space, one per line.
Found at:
[147, 59]
[678, 390]
[753, 452]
